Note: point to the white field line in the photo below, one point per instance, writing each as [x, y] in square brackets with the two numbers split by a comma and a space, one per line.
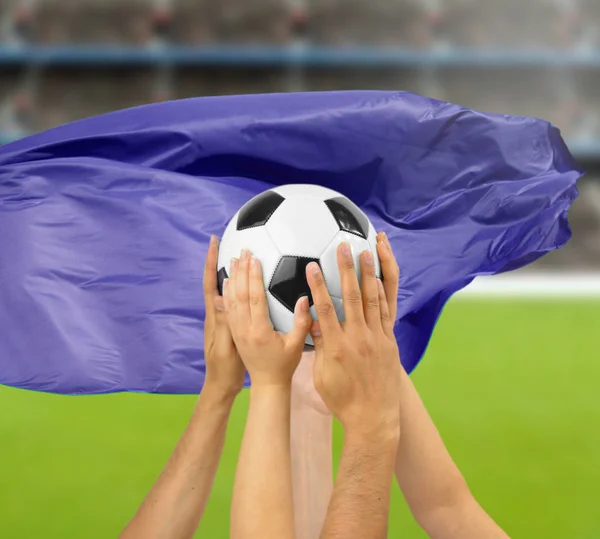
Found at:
[535, 285]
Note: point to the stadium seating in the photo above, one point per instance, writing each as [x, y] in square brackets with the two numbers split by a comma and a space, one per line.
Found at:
[373, 22]
[231, 21]
[66, 95]
[522, 24]
[196, 82]
[92, 22]
[35, 97]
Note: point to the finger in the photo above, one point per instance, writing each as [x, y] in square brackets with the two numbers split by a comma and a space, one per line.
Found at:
[259, 310]
[230, 296]
[391, 274]
[317, 337]
[219, 304]
[210, 276]
[242, 302]
[370, 292]
[228, 303]
[382, 236]
[328, 321]
[353, 306]
[302, 323]
[387, 322]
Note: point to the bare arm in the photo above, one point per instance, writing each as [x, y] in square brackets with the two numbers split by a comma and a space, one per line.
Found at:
[433, 486]
[358, 375]
[360, 503]
[262, 504]
[262, 496]
[174, 506]
[311, 451]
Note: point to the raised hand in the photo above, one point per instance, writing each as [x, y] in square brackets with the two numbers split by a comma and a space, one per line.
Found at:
[270, 357]
[224, 368]
[262, 504]
[357, 369]
[358, 375]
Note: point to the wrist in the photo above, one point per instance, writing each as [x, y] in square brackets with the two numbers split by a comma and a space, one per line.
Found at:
[384, 432]
[218, 393]
[274, 389]
[270, 383]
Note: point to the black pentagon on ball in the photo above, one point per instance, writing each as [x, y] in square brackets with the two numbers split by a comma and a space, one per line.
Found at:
[259, 210]
[289, 282]
[221, 276]
[348, 216]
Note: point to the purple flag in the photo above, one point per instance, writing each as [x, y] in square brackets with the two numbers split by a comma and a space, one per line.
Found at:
[105, 222]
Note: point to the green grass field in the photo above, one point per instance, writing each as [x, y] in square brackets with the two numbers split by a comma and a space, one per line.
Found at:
[512, 386]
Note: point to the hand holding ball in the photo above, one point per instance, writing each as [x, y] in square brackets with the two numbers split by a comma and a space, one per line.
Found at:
[288, 227]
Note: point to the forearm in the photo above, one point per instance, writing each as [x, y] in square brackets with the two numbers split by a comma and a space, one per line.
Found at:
[431, 482]
[464, 520]
[359, 506]
[174, 506]
[312, 468]
[262, 496]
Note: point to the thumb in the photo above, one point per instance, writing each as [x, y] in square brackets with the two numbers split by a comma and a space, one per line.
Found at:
[302, 322]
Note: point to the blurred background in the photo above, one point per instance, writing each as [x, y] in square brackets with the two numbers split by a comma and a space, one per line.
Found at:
[511, 377]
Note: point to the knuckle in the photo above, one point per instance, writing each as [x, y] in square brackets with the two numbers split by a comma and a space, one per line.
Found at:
[325, 309]
[347, 264]
[354, 297]
[373, 303]
[364, 347]
[369, 270]
[258, 338]
[337, 355]
[256, 300]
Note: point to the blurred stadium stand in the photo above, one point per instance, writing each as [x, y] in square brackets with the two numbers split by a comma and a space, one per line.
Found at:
[61, 60]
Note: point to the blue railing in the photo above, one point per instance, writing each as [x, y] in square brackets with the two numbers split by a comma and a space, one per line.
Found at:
[296, 55]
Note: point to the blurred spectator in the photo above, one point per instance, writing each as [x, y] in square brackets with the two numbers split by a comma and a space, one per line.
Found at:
[8, 32]
[15, 105]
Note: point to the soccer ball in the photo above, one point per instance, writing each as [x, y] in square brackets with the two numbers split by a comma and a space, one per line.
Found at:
[288, 227]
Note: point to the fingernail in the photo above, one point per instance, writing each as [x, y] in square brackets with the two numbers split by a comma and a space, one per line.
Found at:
[368, 258]
[346, 249]
[303, 304]
[233, 265]
[245, 255]
[383, 245]
[254, 263]
[313, 267]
